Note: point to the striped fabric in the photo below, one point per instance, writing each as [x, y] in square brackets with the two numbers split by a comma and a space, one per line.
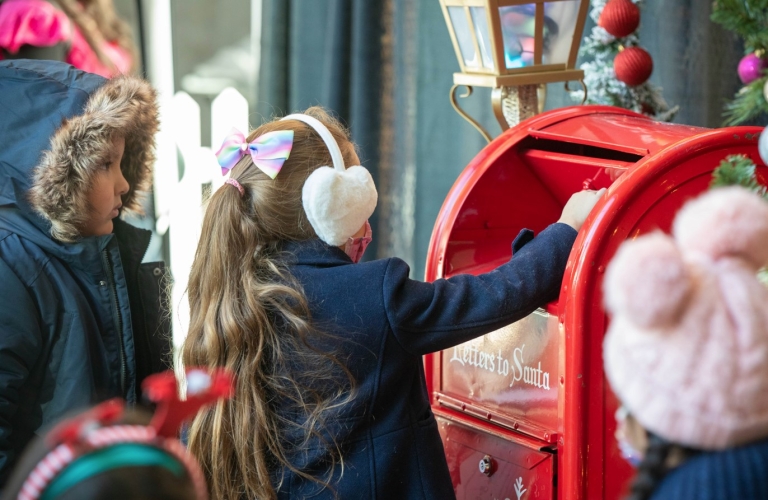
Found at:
[64, 454]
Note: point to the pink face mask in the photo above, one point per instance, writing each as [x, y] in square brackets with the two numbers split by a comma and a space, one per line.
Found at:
[355, 247]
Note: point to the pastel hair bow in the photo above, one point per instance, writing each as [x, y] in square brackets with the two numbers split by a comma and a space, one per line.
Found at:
[268, 151]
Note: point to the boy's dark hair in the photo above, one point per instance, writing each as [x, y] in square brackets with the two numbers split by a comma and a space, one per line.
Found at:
[652, 469]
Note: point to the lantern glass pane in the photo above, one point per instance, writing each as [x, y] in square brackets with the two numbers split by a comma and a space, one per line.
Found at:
[518, 28]
[559, 24]
[463, 36]
[483, 35]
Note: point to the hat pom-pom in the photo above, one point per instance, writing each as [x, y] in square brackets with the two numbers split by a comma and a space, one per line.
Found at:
[647, 282]
[725, 222]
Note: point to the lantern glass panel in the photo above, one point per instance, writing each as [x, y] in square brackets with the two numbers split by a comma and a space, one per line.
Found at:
[518, 27]
[559, 24]
[464, 36]
[480, 21]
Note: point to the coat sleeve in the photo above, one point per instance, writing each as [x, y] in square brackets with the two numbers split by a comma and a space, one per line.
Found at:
[20, 345]
[428, 317]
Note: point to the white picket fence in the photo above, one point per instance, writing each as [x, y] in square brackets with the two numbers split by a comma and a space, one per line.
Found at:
[179, 201]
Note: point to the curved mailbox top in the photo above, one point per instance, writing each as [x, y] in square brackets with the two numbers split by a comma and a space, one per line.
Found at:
[543, 375]
[523, 178]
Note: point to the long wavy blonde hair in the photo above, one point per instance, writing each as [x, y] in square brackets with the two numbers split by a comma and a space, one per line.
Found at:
[250, 315]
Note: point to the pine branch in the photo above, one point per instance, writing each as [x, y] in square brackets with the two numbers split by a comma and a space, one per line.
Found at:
[737, 170]
[748, 103]
[747, 18]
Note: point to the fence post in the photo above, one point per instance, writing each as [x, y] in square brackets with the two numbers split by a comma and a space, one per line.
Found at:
[229, 109]
[186, 208]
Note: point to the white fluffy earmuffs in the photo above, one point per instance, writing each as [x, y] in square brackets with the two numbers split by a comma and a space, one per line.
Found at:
[337, 200]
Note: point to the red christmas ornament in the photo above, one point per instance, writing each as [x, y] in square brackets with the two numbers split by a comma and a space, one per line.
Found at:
[620, 18]
[633, 66]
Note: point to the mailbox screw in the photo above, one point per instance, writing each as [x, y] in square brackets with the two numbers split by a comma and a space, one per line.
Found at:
[601, 269]
[546, 436]
[515, 425]
[485, 466]
[562, 380]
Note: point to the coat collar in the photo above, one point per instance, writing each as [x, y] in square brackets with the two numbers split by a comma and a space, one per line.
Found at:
[314, 253]
[85, 253]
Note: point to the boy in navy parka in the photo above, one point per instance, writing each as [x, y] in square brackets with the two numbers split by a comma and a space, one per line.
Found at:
[81, 317]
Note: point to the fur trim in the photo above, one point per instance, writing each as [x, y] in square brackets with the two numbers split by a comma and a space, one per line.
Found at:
[124, 105]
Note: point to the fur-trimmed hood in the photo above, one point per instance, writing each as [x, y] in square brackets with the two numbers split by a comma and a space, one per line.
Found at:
[59, 123]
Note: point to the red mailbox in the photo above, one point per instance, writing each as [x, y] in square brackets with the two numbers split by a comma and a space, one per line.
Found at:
[525, 412]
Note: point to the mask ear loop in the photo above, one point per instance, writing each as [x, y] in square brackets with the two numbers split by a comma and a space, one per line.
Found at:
[325, 134]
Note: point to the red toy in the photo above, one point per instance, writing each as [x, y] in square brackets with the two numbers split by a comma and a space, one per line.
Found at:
[525, 412]
[202, 389]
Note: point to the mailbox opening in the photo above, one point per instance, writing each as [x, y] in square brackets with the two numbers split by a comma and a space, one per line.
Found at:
[527, 187]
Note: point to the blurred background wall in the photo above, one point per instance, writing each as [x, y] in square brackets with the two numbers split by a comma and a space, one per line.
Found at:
[385, 67]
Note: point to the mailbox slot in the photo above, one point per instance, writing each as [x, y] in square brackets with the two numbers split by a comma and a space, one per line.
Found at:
[527, 187]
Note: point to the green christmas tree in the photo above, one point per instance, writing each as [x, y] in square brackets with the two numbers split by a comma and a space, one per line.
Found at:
[600, 48]
[748, 19]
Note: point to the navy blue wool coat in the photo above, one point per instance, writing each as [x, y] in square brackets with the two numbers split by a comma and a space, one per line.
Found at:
[81, 321]
[386, 322]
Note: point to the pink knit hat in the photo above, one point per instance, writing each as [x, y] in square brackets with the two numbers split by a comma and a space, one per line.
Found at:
[687, 348]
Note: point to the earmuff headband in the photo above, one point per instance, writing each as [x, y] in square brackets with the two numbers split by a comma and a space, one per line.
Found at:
[325, 134]
[337, 200]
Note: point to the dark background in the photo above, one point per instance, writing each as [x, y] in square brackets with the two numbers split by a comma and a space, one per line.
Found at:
[385, 67]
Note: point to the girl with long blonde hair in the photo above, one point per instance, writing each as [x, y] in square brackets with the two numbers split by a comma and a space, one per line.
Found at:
[330, 399]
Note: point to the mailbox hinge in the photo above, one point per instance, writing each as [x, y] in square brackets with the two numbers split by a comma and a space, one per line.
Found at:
[517, 425]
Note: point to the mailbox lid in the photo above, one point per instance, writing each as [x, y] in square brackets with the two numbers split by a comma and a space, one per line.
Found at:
[519, 469]
[631, 134]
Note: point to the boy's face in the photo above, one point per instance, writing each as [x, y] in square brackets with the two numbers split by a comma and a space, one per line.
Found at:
[108, 187]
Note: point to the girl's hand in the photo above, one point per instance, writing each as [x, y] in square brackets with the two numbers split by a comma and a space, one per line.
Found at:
[579, 205]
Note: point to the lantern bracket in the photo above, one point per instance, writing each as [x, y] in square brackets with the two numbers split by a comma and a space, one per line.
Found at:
[583, 86]
[463, 113]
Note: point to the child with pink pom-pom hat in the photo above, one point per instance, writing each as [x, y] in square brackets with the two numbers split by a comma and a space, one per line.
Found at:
[687, 351]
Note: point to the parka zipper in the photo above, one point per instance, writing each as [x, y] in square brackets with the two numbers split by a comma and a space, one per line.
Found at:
[117, 317]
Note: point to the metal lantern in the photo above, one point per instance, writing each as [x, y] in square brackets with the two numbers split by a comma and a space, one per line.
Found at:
[514, 46]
